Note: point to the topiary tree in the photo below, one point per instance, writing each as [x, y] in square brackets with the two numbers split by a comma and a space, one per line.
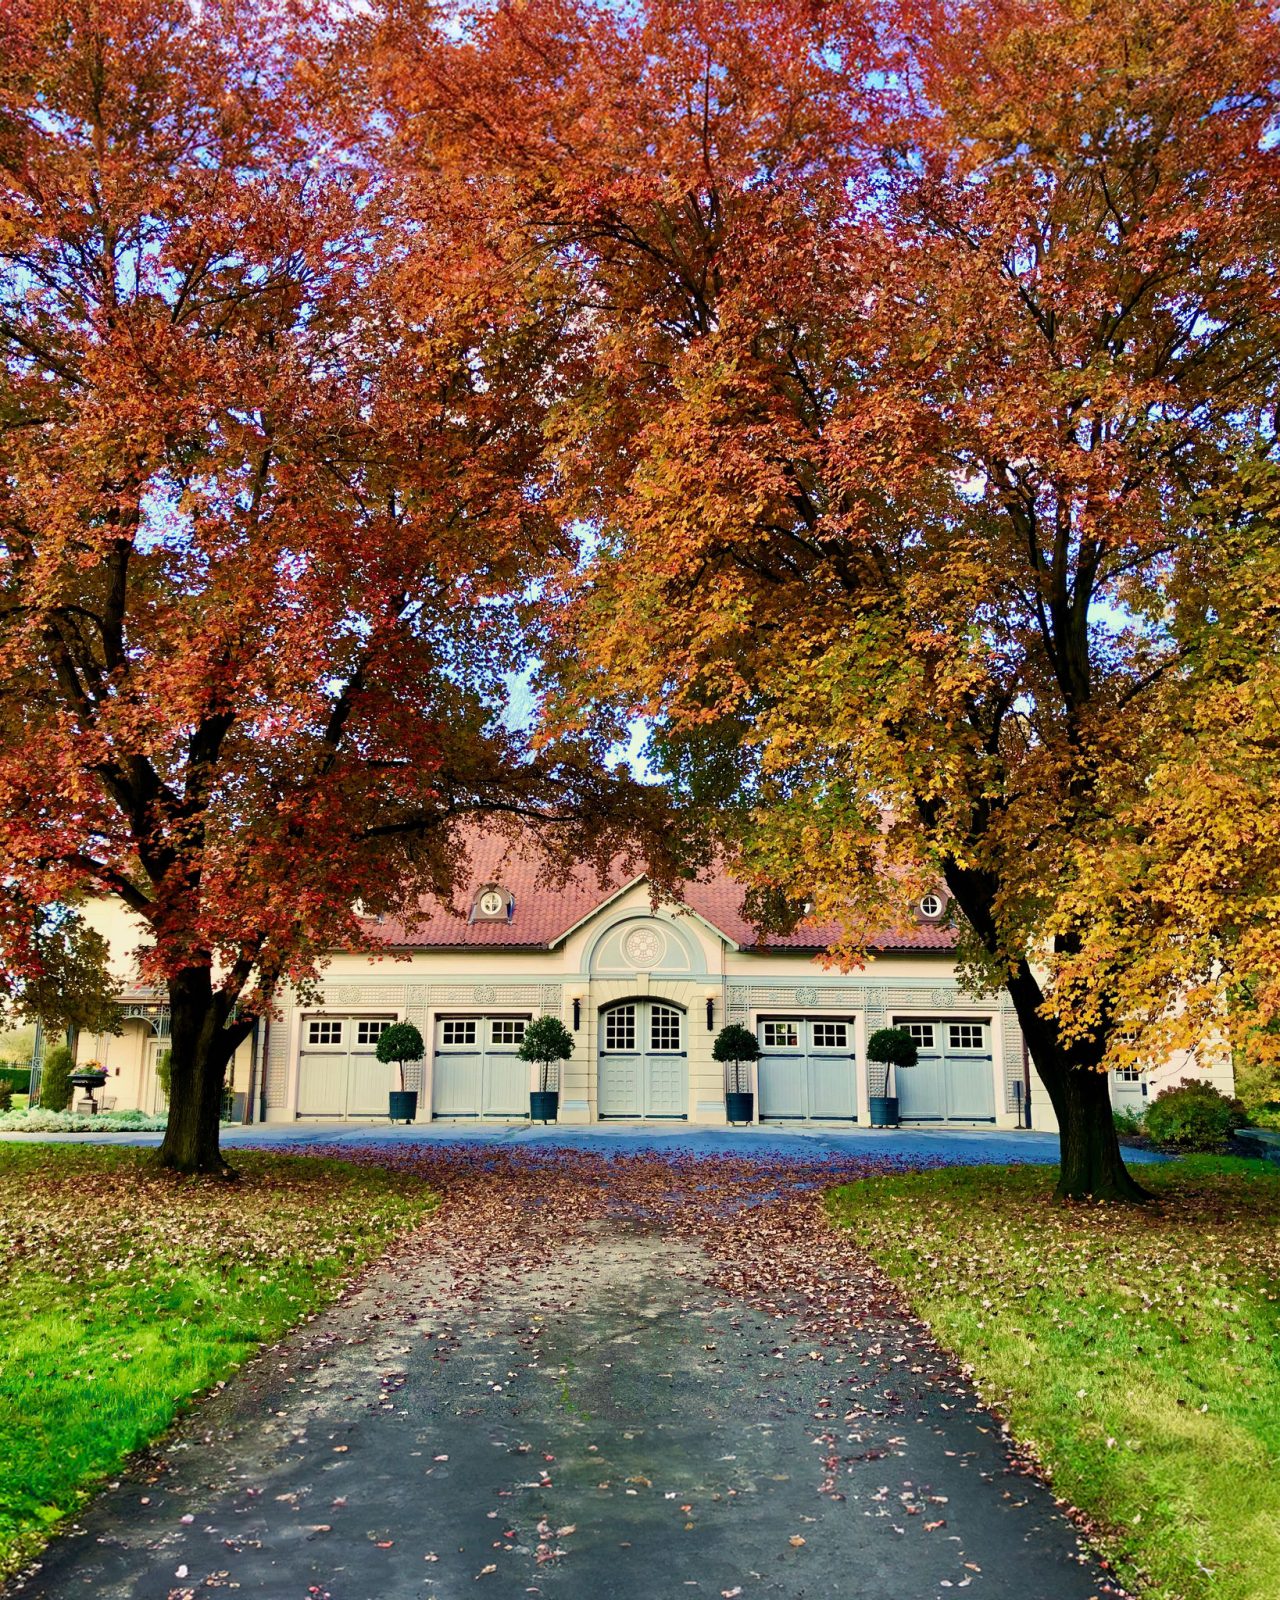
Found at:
[400, 1042]
[55, 1080]
[546, 1041]
[891, 1047]
[735, 1045]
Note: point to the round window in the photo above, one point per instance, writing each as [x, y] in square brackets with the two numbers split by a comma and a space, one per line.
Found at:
[491, 903]
[931, 906]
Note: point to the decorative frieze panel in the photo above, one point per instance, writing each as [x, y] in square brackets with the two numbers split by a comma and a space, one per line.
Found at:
[492, 994]
[359, 997]
[744, 998]
[1011, 1040]
[277, 1065]
[416, 998]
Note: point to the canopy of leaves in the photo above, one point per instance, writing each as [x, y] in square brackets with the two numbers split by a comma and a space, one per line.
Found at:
[546, 1040]
[735, 1043]
[400, 1042]
[894, 1046]
[271, 497]
[912, 345]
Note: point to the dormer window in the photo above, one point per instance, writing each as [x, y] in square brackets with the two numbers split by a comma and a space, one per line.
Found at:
[492, 903]
[931, 907]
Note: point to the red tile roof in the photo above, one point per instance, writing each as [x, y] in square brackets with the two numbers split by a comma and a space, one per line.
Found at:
[546, 909]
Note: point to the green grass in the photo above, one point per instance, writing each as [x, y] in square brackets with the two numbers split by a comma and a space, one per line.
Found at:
[1135, 1351]
[126, 1292]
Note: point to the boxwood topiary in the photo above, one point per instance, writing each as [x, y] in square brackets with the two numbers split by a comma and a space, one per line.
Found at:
[400, 1042]
[546, 1041]
[891, 1047]
[734, 1045]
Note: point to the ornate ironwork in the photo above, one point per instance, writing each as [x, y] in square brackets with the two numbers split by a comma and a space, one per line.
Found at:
[156, 1015]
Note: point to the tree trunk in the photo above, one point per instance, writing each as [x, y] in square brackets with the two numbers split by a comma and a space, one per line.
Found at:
[201, 1046]
[1091, 1166]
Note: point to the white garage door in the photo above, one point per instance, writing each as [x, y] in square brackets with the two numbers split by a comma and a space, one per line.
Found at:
[476, 1071]
[339, 1074]
[808, 1069]
[953, 1079]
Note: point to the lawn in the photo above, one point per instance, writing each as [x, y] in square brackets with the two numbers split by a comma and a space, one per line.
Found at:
[127, 1292]
[1134, 1351]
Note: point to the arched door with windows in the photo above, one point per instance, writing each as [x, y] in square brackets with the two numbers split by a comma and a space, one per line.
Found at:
[643, 1061]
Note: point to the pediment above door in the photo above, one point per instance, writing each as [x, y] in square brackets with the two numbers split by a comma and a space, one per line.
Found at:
[643, 944]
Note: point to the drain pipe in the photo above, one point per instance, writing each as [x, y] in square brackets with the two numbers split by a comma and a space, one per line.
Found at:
[1026, 1079]
[265, 1024]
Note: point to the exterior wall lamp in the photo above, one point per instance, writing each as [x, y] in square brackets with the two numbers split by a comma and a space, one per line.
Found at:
[577, 1012]
[711, 1012]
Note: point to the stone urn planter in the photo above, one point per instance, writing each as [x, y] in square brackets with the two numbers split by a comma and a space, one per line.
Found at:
[90, 1081]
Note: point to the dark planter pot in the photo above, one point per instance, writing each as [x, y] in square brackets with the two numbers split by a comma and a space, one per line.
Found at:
[404, 1105]
[88, 1080]
[884, 1111]
[544, 1105]
[739, 1107]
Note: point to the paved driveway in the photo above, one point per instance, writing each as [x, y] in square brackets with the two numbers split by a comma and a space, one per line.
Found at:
[639, 1377]
[929, 1146]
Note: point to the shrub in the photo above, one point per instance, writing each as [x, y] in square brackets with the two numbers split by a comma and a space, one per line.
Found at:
[55, 1080]
[18, 1078]
[164, 1070]
[1128, 1123]
[6, 1096]
[1194, 1115]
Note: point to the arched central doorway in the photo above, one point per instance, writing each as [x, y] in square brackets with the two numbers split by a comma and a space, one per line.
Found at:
[644, 1063]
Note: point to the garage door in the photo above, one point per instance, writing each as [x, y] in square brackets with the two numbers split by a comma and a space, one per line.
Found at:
[339, 1074]
[952, 1081]
[476, 1071]
[807, 1070]
[643, 1065]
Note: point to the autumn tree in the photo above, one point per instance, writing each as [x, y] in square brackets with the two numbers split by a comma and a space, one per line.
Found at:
[54, 970]
[909, 340]
[268, 505]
